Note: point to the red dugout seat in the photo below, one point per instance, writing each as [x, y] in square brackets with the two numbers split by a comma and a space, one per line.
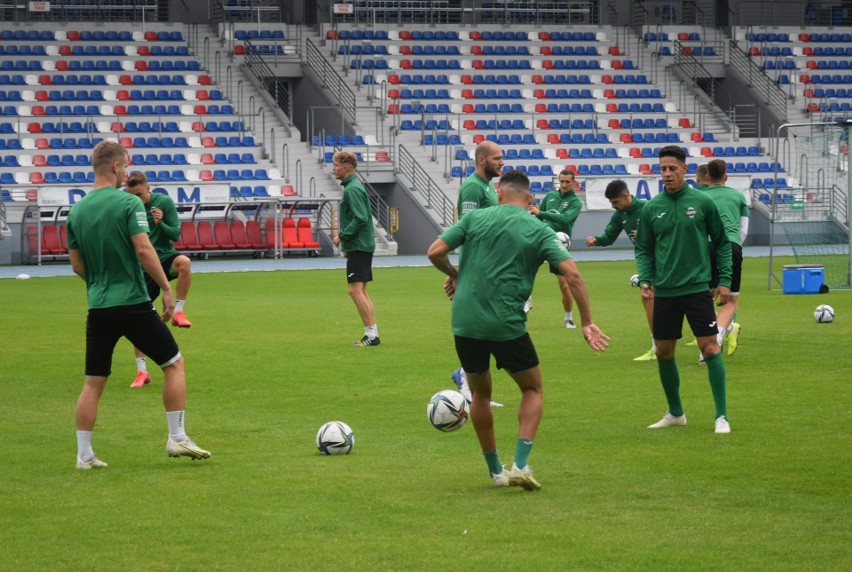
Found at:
[188, 236]
[205, 236]
[305, 233]
[255, 235]
[222, 233]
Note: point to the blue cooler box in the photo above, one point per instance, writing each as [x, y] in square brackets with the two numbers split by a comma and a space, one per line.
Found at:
[803, 278]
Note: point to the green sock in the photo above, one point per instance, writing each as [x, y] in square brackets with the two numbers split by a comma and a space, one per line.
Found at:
[670, 378]
[493, 461]
[522, 452]
[717, 374]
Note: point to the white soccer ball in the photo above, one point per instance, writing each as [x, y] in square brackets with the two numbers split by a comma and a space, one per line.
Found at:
[22, 277]
[447, 410]
[564, 239]
[335, 438]
[634, 280]
[824, 314]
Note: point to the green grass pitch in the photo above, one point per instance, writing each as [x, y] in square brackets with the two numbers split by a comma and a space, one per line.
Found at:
[270, 358]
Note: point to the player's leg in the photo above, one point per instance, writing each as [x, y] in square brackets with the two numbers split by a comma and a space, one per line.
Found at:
[702, 317]
[728, 312]
[180, 266]
[142, 375]
[101, 337]
[667, 325]
[567, 301]
[648, 305]
[150, 334]
[358, 273]
[520, 360]
[475, 358]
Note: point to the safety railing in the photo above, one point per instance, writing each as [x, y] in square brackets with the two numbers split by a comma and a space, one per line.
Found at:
[422, 185]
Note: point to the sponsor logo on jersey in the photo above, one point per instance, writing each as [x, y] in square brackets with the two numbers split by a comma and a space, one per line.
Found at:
[691, 212]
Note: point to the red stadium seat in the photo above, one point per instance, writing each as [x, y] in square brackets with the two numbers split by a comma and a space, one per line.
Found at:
[255, 235]
[143, 51]
[290, 235]
[36, 178]
[222, 232]
[288, 191]
[50, 239]
[141, 65]
[205, 235]
[305, 233]
[238, 235]
[188, 236]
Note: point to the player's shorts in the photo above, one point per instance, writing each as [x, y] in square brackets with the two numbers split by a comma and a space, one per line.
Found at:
[359, 266]
[139, 323]
[736, 267]
[512, 355]
[699, 312]
[153, 289]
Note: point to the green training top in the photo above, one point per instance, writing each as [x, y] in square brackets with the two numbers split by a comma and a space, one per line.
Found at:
[101, 226]
[503, 249]
[626, 220]
[560, 211]
[476, 193]
[732, 205]
[356, 218]
[671, 245]
[163, 235]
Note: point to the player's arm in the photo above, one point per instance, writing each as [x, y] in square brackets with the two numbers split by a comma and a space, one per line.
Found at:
[77, 264]
[439, 256]
[596, 339]
[469, 198]
[643, 249]
[610, 233]
[151, 264]
[724, 265]
[170, 222]
[361, 216]
[744, 214]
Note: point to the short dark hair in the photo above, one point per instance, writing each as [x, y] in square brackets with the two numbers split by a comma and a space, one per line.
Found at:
[615, 189]
[517, 179]
[137, 179]
[716, 170]
[673, 151]
[701, 170]
[566, 172]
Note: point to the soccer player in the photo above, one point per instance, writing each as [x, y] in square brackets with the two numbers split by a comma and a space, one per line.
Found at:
[107, 241]
[478, 192]
[503, 249]
[675, 268]
[626, 217]
[559, 210]
[733, 209]
[701, 178]
[357, 242]
[164, 228]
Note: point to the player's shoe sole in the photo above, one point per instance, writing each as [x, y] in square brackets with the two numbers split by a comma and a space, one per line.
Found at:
[186, 448]
[669, 421]
[570, 324]
[142, 378]
[179, 320]
[365, 341]
[93, 463]
[733, 338]
[650, 355]
[523, 478]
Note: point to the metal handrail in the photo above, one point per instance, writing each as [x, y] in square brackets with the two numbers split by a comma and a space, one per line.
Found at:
[330, 79]
[422, 184]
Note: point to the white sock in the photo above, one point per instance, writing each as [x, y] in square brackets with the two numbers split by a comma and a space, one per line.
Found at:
[84, 446]
[179, 306]
[721, 336]
[371, 332]
[653, 344]
[176, 431]
[569, 316]
[140, 364]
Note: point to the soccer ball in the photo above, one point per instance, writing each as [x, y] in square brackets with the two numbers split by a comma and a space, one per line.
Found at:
[824, 314]
[335, 438]
[564, 239]
[447, 410]
[634, 280]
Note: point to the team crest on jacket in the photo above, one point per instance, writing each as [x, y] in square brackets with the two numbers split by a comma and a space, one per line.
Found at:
[691, 212]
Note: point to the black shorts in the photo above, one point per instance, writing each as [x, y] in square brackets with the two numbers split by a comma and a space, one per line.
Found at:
[359, 266]
[512, 355]
[699, 312]
[139, 323]
[736, 267]
[153, 289]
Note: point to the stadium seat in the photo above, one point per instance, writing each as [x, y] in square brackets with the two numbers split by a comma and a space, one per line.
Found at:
[222, 234]
[305, 233]
[255, 235]
[290, 235]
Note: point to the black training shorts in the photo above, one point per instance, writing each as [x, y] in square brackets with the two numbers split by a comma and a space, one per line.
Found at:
[736, 267]
[153, 289]
[359, 266]
[512, 355]
[139, 323]
[669, 314]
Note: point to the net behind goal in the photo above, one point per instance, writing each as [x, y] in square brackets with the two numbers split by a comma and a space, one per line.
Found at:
[810, 202]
